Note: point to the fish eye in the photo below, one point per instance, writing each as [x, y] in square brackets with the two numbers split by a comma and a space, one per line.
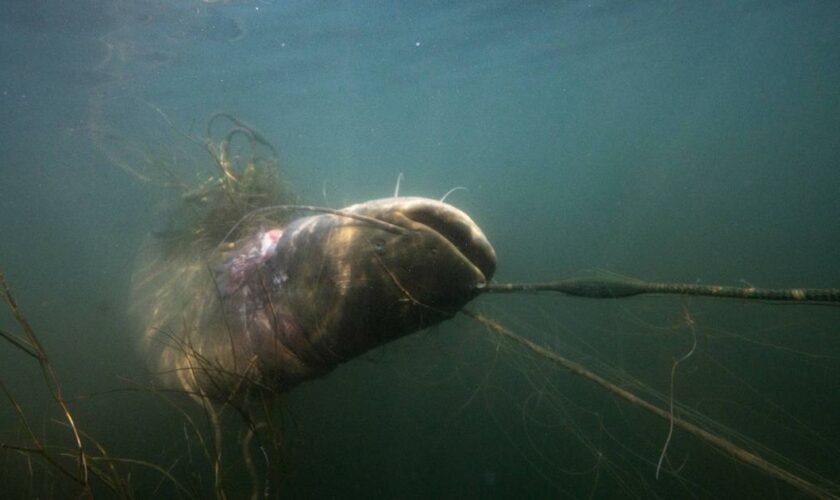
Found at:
[379, 246]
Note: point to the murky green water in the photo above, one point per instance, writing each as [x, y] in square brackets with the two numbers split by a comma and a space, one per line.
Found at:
[678, 141]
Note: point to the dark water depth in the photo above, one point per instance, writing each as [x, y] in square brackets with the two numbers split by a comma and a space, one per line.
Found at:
[670, 141]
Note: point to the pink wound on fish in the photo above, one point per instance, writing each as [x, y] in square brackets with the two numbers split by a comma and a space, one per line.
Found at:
[252, 255]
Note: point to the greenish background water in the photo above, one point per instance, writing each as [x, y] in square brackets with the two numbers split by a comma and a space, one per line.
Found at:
[684, 141]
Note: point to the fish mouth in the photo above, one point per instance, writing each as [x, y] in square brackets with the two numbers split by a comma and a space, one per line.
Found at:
[458, 229]
[449, 223]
